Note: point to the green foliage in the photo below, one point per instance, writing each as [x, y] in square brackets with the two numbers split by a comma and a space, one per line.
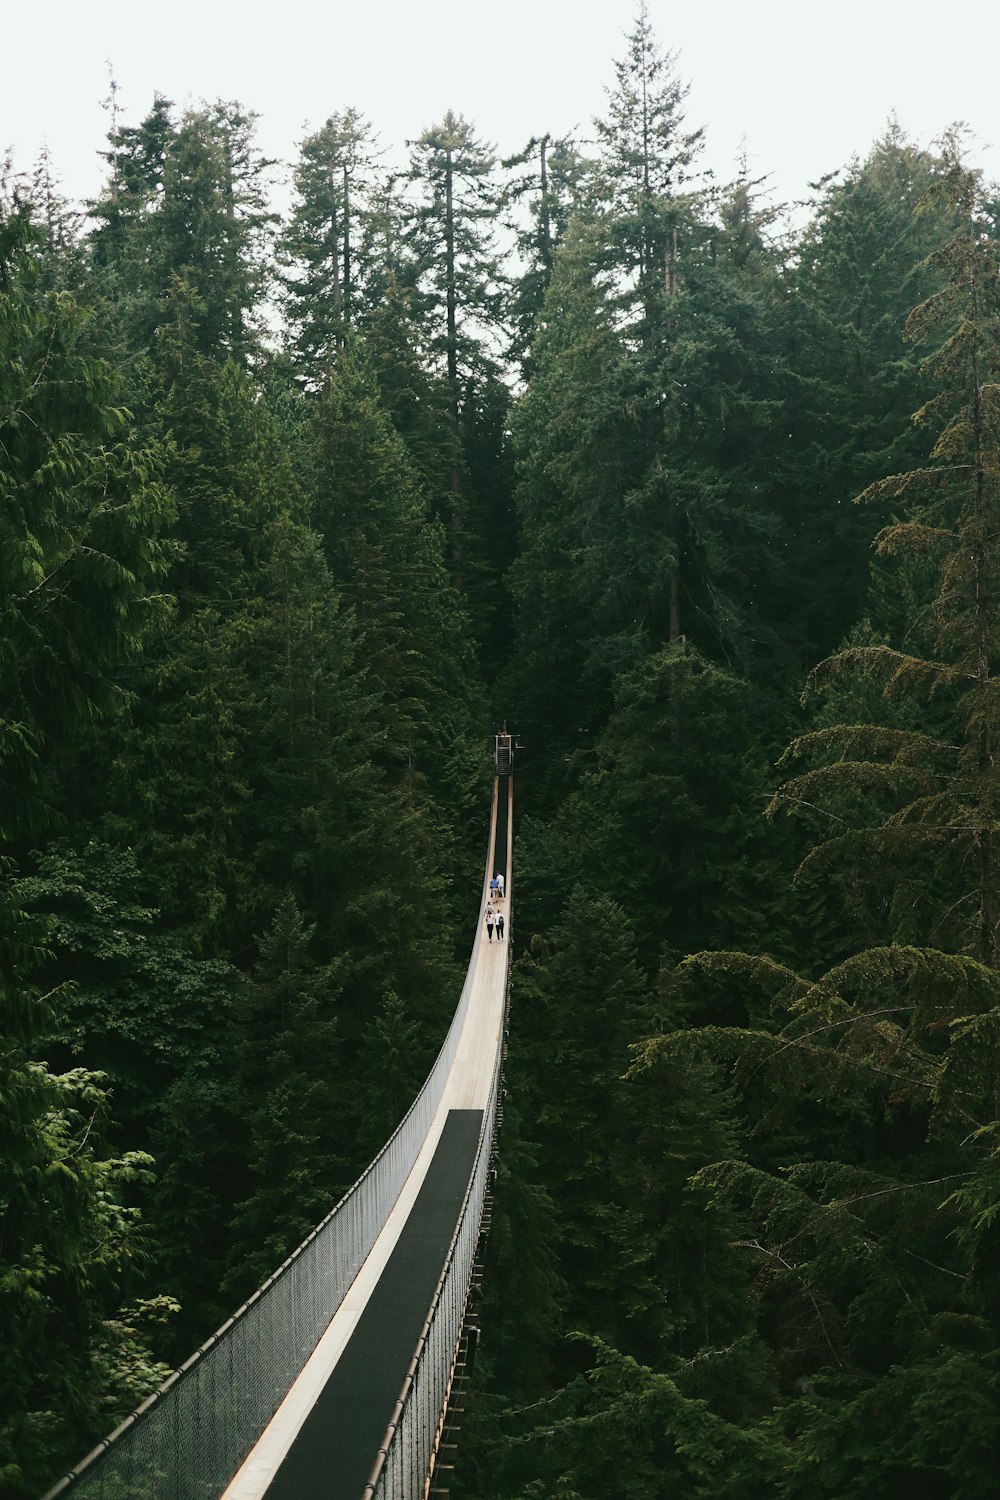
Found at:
[861, 265]
[387, 558]
[678, 776]
[185, 217]
[640, 447]
[894, 788]
[744, 1240]
[571, 443]
[841, 1080]
[127, 1371]
[330, 240]
[288, 1098]
[138, 1005]
[458, 288]
[549, 187]
[581, 1002]
[452, 239]
[81, 510]
[622, 1418]
[83, 506]
[518, 1356]
[70, 1229]
[858, 1268]
[646, 158]
[667, 813]
[391, 1071]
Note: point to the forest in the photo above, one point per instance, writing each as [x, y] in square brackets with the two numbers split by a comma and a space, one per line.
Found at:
[703, 499]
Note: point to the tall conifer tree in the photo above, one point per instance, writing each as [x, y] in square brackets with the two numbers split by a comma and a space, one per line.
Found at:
[329, 240]
[864, 260]
[81, 511]
[547, 185]
[459, 287]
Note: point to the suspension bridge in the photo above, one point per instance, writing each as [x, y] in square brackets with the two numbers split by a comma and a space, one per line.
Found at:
[343, 1376]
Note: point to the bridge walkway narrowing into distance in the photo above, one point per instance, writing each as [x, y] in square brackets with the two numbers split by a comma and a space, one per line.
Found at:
[361, 1391]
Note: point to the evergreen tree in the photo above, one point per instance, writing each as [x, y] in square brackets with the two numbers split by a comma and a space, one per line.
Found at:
[69, 1239]
[391, 1070]
[643, 439]
[583, 997]
[81, 508]
[395, 343]
[387, 557]
[647, 158]
[135, 1004]
[329, 240]
[459, 286]
[641, 1263]
[60, 262]
[183, 232]
[693, 286]
[863, 262]
[452, 238]
[921, 785]
[136, 158]
[667, 818]
[213, 229]
[183, 760]
[572, 446]
[289, 1098]
[330, 828]
[549, 186]
[873, 1085]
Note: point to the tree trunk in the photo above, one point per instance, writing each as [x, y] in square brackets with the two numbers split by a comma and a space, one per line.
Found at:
[675, 575]
[334, 248]
[451, 299]
[347, 245]
[545, 225]
[982, 641]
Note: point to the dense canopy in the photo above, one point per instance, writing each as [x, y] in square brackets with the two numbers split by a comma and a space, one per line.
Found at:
[706, 504]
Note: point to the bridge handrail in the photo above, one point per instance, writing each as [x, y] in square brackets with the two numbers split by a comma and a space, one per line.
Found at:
[402, 1466]
[404, 1458]
[189, 1438]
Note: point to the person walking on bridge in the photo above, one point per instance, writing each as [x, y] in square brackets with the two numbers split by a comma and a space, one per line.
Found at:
[499, 926]
[500, 883]
[490, 918]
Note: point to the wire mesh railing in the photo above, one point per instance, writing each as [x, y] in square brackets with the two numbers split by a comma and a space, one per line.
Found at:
[403, 1464]
[188, 1440]
[404, 1460]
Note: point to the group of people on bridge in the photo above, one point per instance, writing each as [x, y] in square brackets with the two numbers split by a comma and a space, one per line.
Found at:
[494, 916]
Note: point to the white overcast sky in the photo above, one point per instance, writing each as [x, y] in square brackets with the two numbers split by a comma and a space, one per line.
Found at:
[804, 86]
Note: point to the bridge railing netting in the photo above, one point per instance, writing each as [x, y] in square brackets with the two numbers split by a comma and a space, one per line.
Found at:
[188, 1440]
[404, 1461]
